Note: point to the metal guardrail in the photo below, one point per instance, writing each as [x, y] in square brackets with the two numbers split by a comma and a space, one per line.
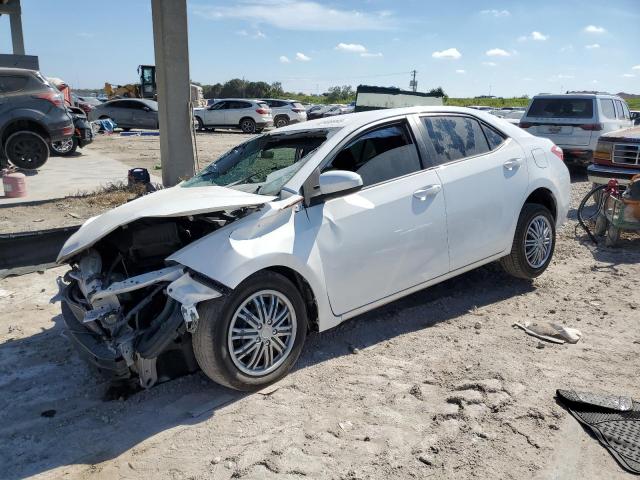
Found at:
[27, 249]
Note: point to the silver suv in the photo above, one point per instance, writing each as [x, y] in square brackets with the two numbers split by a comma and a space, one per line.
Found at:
[575, 121]
[286, 112]
[251, 116]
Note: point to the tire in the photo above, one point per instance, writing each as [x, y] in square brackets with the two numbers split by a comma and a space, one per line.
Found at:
[200, 124]
[64, 148]
[126, 129]
[214, 348]
[524, 264]
[26, 150]
[248, 125]
[281, 121]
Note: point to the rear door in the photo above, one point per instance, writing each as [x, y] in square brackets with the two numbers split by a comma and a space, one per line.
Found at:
[236, 111]
[484, 176]
[143, 116]
[121, 113]
[622, 114]
[563, 120]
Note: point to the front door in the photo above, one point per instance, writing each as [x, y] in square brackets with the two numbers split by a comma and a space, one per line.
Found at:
[484, 176]
[389, 236]
[215, 114]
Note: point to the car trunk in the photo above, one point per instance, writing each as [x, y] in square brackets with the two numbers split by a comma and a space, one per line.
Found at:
[565, 121]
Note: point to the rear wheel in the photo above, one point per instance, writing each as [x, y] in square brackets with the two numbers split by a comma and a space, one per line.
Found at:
[533, 243]
[252, 338]
[248, 125]
[199, 124]
[26, 150]
[281, 121]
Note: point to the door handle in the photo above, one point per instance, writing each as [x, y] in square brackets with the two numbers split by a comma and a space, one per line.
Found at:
[426, 192]
[512, 163]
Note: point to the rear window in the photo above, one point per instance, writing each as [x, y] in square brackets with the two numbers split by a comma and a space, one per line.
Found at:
[12, 83]
[561, 108]
[297, 105]
[619, 111]
[263, 105]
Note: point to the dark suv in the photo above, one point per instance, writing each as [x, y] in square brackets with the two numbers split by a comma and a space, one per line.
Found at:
[32, 115]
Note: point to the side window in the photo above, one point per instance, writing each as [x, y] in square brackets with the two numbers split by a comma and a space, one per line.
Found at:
[619, 112]
[455, 137]
[379, 155]
[12, 83]
[608, 109]
[494, 138]
[219, 106]
[114, 104]
[138, 105]
[625, 109]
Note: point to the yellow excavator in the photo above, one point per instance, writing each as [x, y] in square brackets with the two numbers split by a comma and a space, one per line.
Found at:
[145, 89]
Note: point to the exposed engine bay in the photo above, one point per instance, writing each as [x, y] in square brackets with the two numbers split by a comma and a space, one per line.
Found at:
[129, 311]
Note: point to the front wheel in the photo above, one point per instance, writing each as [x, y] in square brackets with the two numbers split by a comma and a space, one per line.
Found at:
[65, 147]
[533, 243]
[252, 338]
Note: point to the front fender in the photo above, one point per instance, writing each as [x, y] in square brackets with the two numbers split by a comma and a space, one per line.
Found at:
[272, 237]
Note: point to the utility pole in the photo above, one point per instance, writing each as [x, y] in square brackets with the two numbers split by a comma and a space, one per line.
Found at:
[413, 83]
[170, 40]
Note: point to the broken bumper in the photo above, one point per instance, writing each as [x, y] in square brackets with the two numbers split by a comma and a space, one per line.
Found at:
[88, 343]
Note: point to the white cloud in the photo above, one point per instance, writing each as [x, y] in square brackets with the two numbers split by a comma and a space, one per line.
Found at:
[302, 57]
[628, 75]
[298, 15]
[490, 64]
[562, 76]
[635, 67]
[496, 13]
[594, 29]
[351, 47]
[258, 34]
[448, 53]
[371, 54]
[461, 71]
[535, 36]
[540, 37]
[497, 52]
[284, 59]
[592, 46]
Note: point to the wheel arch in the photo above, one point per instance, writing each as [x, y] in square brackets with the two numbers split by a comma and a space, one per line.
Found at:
[543, 196]
[303, 287]
[20, 124]
[246, 117]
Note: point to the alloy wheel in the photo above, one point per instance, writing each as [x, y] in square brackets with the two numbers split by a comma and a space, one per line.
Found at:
[63, 146]
[538, 241]
[262, 333]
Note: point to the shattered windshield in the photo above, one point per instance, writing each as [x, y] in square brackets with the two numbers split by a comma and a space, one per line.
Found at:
[263, 165]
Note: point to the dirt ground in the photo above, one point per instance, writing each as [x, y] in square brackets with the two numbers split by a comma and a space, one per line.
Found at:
[437, 385]
[145, 151]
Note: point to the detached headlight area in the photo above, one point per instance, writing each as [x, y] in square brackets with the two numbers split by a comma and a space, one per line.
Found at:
[127, 327]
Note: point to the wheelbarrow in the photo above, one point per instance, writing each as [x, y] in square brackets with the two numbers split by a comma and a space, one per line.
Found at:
[619, 213]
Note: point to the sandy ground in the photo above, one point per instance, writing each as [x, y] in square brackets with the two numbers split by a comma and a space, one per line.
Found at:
[440, 386]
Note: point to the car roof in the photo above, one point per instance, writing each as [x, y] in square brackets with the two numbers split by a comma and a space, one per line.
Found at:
[151, 103]
[236, 100]
[577, 95]
[354, 121]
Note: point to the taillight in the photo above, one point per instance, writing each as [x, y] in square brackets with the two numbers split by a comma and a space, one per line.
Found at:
[298, 110]
[262, 111]
[557, 151]
[67, 131]
[592, 127]
[52, 97]
[525, 124]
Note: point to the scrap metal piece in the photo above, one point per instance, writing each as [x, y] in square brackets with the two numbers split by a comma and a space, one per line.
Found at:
[612, 402]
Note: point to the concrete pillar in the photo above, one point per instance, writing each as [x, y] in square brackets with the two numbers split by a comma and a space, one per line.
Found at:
[17, 39]
[170, 39]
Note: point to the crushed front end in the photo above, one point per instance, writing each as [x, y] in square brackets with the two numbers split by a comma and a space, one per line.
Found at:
[127, 311]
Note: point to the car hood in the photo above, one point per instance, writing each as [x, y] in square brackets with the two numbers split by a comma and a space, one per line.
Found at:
[170, 202]
[625, 135]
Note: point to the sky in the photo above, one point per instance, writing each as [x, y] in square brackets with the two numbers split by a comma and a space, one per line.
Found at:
[470, 48]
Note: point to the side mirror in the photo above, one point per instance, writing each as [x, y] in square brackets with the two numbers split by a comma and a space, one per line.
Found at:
[339, 182]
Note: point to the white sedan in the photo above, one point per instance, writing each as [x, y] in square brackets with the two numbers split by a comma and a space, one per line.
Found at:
[301, 229]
